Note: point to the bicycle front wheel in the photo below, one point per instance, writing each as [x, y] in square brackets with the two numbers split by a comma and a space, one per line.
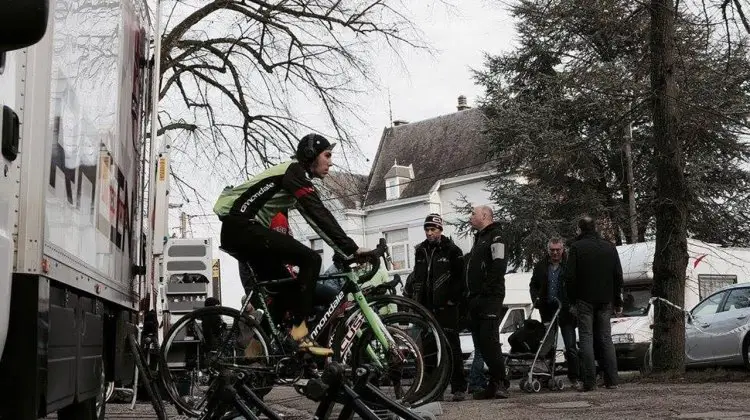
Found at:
[412, 372]
[200, 345]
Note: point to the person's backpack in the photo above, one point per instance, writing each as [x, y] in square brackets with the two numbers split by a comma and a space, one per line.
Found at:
[527, 338]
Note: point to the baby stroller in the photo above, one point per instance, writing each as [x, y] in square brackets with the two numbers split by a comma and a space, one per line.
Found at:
[533, 350]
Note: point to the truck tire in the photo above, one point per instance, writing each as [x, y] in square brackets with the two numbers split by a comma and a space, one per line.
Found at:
[84, 410]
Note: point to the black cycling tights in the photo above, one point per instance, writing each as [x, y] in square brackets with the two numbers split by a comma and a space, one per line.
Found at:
[267, 251]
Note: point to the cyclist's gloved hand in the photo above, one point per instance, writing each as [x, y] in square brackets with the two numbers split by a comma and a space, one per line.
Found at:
[360, 255]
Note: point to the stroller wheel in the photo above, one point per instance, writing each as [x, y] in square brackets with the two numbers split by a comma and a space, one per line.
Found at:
[536, 386]
[559, 384]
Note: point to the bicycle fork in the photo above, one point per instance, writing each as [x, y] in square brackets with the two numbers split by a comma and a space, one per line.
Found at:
[381, 332]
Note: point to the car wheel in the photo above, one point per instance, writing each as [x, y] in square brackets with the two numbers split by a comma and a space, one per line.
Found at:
[647, 366]
[746, 350]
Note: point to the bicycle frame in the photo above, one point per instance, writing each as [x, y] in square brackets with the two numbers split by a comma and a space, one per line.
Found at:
[350, 286]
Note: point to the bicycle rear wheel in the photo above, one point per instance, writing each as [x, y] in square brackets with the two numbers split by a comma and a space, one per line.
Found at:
[202, 343]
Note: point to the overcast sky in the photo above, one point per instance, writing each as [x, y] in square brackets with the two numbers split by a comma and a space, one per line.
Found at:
[422, 86]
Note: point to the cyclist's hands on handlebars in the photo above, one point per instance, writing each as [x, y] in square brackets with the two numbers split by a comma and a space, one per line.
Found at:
[362, 254]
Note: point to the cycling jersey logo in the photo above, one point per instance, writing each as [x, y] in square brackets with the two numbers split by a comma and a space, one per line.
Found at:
[255, 196]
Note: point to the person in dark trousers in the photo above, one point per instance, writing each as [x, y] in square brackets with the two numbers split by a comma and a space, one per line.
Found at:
[594, 283]
[485, 282]
[212, 325]
[246, 212]
[546, 286]
[477, 378]
[437, 283]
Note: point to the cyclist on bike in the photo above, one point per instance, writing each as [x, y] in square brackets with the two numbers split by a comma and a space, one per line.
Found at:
[246, 212]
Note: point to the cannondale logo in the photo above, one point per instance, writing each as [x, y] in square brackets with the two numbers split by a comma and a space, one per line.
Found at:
[255, 196]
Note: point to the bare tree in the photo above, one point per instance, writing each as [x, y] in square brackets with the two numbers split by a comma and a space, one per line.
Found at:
[234, 72]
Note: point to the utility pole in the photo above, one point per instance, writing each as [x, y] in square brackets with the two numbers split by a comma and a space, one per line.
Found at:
[628, 152]
[183, 224]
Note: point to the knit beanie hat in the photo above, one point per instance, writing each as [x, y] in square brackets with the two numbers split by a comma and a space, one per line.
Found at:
[433, 220]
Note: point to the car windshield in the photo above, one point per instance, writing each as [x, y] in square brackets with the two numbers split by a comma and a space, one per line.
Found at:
[636, 302]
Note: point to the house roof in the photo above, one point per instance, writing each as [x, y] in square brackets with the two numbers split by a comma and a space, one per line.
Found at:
[398, 170]
[346, 187]
[438, 148]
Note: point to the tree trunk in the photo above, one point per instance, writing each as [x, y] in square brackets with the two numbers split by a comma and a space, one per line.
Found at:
[670, 259]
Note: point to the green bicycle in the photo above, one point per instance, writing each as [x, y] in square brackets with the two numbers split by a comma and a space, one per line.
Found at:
[386, 332]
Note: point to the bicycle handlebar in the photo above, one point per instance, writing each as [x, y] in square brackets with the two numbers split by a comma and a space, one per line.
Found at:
[373, 257]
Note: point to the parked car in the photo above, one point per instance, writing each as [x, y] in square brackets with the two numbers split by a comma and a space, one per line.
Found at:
[716, 330]
[711, 267]
[631, 333]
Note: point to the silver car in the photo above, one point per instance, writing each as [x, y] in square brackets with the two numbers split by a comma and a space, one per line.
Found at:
[716, 332]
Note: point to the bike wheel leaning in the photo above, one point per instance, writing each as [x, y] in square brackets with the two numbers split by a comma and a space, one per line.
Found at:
[203, 343]
[414, 373]
[149, 382]
[441, 352]
[391, 304]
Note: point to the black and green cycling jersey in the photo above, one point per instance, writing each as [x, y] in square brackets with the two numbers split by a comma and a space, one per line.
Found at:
[278, 189]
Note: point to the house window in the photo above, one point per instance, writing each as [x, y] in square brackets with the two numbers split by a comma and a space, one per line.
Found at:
[317, 246]
[392, 189]
[398, 246]
[709, 283]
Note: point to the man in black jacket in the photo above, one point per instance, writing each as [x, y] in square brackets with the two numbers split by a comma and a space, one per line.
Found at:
[594, 284]
[437, 283]
[485, 283]
[547, 285]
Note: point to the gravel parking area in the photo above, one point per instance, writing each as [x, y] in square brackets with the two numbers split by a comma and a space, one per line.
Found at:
[633, 400]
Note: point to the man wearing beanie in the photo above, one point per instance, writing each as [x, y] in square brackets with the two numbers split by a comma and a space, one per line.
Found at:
[436, 283]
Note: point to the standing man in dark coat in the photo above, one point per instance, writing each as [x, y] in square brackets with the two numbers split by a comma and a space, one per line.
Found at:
[485, 282]
[437, 283]
[547, 285]
[594, 284]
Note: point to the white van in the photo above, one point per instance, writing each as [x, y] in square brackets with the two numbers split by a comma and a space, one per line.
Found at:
[710, 268]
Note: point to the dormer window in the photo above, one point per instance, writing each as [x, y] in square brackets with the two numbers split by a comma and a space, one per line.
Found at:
[392, 190]
[396, 180]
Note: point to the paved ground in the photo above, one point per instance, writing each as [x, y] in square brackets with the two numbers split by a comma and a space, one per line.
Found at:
[683, 401]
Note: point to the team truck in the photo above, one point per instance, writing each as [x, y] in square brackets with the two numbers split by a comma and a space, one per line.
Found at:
[74, 83]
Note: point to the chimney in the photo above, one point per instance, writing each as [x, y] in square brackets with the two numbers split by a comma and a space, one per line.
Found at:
[396, 123]
[462, 103]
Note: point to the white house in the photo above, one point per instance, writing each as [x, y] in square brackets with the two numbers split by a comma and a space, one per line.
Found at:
[420, 168]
